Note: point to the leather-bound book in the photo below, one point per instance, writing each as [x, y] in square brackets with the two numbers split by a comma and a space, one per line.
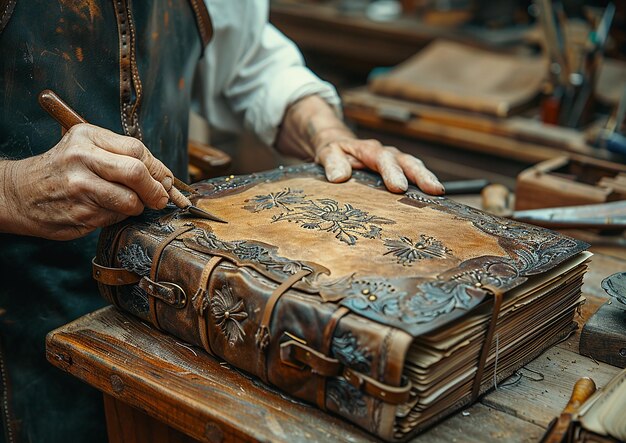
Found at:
[390, 310]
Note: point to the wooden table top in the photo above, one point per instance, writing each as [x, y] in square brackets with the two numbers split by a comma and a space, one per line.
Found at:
[189, 390]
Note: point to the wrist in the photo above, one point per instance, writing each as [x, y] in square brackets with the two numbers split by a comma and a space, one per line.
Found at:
[11, 220]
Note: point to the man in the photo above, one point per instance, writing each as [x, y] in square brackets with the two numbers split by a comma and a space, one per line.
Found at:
[128, 69]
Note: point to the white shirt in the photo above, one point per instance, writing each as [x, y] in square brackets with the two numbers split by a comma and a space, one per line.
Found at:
[251, 72]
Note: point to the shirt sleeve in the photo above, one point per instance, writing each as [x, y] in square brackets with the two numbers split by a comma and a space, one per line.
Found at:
[251, 72]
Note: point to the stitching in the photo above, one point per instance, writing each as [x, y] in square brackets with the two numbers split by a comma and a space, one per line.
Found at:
[6, 11]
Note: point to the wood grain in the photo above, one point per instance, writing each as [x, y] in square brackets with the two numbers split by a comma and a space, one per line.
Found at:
[182, 386]
[545, 387]
[480, 424]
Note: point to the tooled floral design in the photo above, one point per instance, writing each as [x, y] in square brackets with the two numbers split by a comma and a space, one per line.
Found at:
[346, 222]
[347, 350]
[228, 311]
[281, 199]
[375, 295]
[135, 259]
[430, 299]
[349, 400]
[407, 251]
[251, 252]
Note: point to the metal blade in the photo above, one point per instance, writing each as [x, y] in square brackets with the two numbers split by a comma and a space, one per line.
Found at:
[203, 214]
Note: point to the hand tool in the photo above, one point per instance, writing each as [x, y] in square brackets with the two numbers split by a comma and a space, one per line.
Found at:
[597, 216]
[473, 186]
[496, 199]
[560, 427]
[67, 118]
[592, 60]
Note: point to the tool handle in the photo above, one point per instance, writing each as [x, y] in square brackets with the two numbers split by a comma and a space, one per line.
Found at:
[583, 389]
[496, 199]
[59, 110]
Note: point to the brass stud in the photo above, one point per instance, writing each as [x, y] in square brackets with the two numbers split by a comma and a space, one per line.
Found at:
[383, 394]
[365, 291]
[226, 314]
[420, 246]
[372, 297]
[478, 284]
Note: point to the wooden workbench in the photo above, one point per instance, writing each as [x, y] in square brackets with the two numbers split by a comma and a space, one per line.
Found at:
[158, 389]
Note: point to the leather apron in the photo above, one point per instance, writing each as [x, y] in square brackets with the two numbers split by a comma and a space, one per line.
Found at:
[126, 65]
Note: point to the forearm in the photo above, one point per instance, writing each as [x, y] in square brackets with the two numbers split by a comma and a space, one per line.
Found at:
[307, 126]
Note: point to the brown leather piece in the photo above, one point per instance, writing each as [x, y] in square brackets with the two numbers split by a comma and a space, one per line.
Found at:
[295, 352]
[484, 353]
[203, 21]
[154, 270]
[169, 293]
[6, 9]
[130, 84]
[389, 394]
[263, 334]
[329, 332]
[201, 301]
[113, 276]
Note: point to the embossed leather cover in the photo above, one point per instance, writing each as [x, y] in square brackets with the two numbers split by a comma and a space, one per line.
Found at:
[389, 310]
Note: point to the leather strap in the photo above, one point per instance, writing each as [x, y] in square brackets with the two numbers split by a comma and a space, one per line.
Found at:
[327, 340]
[113, 276]
[484, 353]
[203, 21]
[200, 302]
[293, 351]
[394, 395]
[109, 294]
[154, 270]
[130, 84]
[263, 334]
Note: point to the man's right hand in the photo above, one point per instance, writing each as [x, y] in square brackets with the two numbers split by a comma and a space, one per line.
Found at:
[90, 179]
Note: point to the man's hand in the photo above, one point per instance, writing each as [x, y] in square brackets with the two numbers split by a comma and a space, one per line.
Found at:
[90, 179]
[310, 127]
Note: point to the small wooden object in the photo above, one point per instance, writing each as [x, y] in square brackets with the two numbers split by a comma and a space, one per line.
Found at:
[496, 200]
[570, 181]
[604, 335]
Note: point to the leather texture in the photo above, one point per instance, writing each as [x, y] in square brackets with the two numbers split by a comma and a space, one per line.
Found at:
[323, 290]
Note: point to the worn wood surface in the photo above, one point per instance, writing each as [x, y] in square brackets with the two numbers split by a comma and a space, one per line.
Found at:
[182, 386]
[126, 424]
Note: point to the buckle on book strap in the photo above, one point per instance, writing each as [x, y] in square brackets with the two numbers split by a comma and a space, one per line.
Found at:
[299, 355]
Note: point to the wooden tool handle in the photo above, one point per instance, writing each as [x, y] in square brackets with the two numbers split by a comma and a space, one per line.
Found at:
[496, 199]
[59, 110]
[583, 389]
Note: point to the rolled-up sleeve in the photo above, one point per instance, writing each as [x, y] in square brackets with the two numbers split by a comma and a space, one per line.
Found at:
[251, 72]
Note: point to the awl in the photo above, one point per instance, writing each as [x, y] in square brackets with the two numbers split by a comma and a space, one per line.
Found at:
[67, 118]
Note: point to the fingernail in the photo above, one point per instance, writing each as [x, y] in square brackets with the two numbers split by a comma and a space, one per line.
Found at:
[167, 183]
[400, 182]
[333, 175]
[162, 202]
